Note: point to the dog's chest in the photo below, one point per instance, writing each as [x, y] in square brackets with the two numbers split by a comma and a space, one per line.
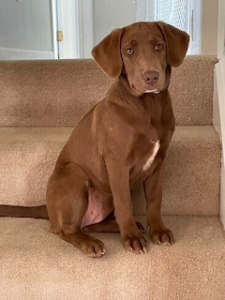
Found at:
[151, 156]
[146, 151]
[149, 147]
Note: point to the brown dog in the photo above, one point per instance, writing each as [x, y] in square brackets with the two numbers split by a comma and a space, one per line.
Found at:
[122, 141]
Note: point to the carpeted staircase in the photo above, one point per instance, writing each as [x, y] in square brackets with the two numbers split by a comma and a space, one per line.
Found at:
[40, 103]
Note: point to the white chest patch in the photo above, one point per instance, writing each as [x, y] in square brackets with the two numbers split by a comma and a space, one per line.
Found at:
[150, 160]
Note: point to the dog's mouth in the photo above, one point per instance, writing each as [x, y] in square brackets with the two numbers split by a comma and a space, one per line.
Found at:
[149, 89]
[154, 91]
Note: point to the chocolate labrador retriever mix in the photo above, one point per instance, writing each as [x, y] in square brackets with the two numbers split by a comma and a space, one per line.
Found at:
[121, 142]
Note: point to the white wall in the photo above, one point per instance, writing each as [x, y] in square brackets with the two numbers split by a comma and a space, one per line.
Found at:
[25, 29]
[219, 100]
[86, 16]
[221, 30]
[111, 14]
[209, 26]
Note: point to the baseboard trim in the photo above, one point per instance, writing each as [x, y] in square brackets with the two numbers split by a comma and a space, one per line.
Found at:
[222, 194]
[220, 95]
[22, 54]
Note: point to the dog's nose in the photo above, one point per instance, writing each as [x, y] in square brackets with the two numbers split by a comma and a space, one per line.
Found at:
[151, 77]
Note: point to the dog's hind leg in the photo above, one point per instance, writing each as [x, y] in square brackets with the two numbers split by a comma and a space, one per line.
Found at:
[67, 202]
[110, 226]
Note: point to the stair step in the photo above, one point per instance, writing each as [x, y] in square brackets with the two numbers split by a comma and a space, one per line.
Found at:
[191, 183]
[57, 93]
[192, 90]
[192, 173]
[39, 265]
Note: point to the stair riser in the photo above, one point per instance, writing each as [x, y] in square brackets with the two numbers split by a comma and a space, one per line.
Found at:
[192, 172]
[58, 93]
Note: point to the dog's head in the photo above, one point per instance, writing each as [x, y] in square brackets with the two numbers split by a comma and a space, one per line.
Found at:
[143, 53]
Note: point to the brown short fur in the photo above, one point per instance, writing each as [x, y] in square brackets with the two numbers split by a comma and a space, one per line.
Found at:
[121, 142]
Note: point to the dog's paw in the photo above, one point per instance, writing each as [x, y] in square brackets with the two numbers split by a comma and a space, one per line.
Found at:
[92, 247]
[135, 243]
[162, 237]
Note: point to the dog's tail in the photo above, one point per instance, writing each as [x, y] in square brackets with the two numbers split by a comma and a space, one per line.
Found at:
[24, 212]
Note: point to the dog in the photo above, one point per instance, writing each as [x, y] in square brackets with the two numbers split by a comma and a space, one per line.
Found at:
[121, 142]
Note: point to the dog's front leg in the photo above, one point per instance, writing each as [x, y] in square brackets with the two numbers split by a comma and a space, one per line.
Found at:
[119, 183]
[159, 234]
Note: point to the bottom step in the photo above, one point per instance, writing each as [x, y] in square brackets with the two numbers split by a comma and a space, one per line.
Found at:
[35, 264]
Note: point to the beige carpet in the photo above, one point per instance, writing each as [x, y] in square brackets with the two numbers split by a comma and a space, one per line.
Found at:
[59, 92]
[35, 264]
[28, 156]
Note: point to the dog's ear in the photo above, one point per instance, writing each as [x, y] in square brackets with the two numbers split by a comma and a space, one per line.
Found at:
[177, 43]
[107, 54]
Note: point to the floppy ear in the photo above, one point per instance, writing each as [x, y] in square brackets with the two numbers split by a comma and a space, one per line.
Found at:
[177, 43]
[107, 54]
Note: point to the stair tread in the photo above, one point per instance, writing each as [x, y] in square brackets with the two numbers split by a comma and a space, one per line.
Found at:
[193, 159]
[8, 135]
[32, 257]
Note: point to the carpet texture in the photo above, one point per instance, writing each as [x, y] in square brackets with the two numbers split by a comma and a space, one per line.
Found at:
[35, 264]
[40, 102]
[57, 93]
[28, 156]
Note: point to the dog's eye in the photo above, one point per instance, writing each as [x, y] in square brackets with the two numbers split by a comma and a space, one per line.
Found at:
[130, 50]
[158, 46]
